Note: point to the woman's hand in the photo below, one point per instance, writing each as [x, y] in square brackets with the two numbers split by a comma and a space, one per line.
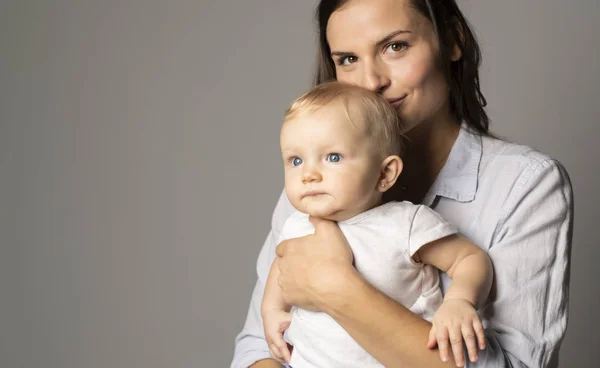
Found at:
[312, 267]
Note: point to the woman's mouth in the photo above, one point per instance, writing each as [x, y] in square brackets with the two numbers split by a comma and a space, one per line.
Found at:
[395, 102]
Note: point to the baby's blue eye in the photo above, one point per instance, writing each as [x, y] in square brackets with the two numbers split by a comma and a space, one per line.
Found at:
[296, 161]
[334, 157]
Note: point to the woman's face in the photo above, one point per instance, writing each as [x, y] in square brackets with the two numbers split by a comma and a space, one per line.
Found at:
[387, 46]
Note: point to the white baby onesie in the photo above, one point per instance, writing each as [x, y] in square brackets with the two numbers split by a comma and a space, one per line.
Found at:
[383, 241]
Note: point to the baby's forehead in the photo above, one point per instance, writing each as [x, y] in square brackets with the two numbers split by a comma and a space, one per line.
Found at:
[334, 116]
[326, 128]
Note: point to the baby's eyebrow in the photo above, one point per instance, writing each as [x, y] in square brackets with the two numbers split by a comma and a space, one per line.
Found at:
[289, 153]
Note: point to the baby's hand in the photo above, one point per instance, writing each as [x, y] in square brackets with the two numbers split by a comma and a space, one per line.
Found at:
[455, 320]
[275, 322]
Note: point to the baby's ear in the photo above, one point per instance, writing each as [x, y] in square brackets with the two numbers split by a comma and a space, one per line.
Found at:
[391, 167]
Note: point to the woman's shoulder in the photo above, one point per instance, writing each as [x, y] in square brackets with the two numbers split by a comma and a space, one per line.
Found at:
[513, 167]
[502, 156]
[495, 148]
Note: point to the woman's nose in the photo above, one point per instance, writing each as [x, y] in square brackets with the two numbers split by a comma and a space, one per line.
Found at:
[375, 78]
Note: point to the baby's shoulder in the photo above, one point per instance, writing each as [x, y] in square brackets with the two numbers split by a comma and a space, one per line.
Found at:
[400, 209]
[393, 215]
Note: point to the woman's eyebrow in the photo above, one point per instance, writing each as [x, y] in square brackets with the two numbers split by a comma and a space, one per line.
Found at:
[341, 54]
[390, 36]
[381, 42]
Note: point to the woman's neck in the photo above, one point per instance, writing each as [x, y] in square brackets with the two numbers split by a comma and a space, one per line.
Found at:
[428, 147]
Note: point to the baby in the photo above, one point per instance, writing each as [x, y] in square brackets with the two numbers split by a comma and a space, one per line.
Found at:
[341, 148]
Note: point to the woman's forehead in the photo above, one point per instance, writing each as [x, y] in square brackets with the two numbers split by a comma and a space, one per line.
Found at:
[369, 21]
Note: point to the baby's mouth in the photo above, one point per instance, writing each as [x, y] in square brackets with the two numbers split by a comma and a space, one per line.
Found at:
[313, 193]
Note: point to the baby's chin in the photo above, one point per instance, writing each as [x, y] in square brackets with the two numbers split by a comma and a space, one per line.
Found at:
[325, 207]
[317, 210]
[333, 214]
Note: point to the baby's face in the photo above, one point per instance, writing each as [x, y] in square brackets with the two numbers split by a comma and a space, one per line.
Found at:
[331, 167]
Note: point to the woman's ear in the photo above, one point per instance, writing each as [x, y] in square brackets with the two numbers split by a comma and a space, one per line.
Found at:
[460, 40]
[391, 167]
[456, 53]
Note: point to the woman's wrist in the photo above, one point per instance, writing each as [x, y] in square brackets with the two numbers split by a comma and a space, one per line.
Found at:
[335, 291]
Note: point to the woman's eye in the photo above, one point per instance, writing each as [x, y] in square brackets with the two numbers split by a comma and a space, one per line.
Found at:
[347, 60]
[334, 157]
[296, 161]
[396, 46]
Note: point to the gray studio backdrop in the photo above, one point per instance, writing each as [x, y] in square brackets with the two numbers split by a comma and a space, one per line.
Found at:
[139, 164]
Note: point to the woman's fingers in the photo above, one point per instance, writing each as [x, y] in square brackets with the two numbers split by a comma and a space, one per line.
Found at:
[309, 266]
[281, 248]
[431, 342]
[316, 221]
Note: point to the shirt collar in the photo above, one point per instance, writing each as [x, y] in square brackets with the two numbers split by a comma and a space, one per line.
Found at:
[458, 178]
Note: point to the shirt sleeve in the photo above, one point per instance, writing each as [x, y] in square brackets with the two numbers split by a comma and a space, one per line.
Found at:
[527, 318]
[427, 226]
[250, 343]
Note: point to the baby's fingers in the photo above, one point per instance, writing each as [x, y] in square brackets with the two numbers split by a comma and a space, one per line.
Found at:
[469, 336]
[285, 352]
[457, 345]
[478, 327]
[275, 354]
[281, 346]
[442, 342]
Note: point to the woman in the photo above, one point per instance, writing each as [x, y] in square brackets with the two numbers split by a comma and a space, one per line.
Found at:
[512, 201]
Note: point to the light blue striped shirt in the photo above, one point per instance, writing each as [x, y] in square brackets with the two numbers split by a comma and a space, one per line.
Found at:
[515, 203]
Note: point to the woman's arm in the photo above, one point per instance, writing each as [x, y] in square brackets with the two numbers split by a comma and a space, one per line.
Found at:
[395, 336]
[250, 343]
[322, 278]
[266, 363]
[530, 251]
[527, 308]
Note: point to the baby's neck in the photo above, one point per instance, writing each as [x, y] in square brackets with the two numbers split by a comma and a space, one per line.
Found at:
[344, 215]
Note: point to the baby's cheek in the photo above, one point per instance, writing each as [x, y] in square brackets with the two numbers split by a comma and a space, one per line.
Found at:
[293, 195]
[358, 191]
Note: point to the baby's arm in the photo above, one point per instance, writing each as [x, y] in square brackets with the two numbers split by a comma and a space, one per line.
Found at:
[276, 316]
[471, 272]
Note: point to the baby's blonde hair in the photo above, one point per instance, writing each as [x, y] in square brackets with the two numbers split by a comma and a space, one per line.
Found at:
[381, 121]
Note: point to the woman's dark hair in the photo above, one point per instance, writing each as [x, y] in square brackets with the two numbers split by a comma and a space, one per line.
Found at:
[462, 76]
